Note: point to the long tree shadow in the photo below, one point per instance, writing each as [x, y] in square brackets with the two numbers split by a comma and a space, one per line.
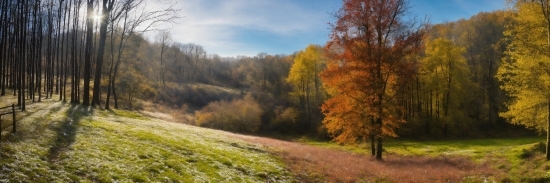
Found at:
[66, 132]
[29, 129]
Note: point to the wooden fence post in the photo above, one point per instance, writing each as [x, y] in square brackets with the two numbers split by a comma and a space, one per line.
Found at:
[13, 112]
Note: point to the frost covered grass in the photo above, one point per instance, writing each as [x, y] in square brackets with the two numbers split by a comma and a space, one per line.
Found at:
[60, 142]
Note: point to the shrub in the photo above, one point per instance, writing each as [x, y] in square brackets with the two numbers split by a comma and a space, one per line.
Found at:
[194, 95]
[285, 119]
[241, 115]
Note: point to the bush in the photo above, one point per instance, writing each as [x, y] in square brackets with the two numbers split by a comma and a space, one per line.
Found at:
[285, 119]
[241, 115]
[194, 95]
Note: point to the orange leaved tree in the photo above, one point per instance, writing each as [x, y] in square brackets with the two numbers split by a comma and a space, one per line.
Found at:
[367, 65]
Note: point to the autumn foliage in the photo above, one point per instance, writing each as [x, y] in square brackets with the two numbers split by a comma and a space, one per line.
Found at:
[367, 48]
[524, 71]
[306, 84]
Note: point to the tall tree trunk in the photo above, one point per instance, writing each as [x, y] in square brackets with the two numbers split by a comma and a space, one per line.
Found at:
[3, 46]
[74, 65]
[66, 60]
[110, 66]
[546, 11]
[379, 148]
[372, 139]
[106, 10]
[23, 51]
[548, 129]
[62, 62]
[114, 77]
[379, 130]
[308, 102]
[162, 47]
[39, 61]
[88, 52]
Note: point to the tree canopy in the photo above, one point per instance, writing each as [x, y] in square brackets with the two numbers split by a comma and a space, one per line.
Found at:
[525, 71]
[445, 72]
[304, 77]
[368, 44]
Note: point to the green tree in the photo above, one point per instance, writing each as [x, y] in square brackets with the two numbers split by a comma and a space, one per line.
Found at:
[525, 72]
[304, 77]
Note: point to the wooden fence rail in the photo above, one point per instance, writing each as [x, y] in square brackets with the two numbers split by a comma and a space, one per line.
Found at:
[4, 112]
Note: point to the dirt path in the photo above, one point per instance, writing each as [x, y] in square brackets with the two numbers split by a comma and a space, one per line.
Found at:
[318, 164]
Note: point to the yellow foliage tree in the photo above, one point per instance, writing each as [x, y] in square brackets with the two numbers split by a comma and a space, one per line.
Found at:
[304, 77]
[446, 74]
[525, 72]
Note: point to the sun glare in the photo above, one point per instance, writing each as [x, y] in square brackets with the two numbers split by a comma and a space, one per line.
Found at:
[96, 17]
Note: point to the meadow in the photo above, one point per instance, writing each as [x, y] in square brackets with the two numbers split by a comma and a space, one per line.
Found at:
[61, 142]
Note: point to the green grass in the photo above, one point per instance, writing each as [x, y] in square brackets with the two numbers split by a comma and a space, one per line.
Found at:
[59, 142]
[506, 155]
[518, 159]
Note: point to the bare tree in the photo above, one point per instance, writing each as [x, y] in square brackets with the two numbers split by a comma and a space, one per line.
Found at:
[75, 80]
[88, 52]
[164, 39]
[107, 7]
[126, 26]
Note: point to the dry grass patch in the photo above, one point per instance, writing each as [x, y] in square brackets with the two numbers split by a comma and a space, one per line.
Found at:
[319, 164]
[175, 114]
[158, 115]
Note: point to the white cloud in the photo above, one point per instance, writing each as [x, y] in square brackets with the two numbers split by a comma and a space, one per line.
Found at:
[215, 24]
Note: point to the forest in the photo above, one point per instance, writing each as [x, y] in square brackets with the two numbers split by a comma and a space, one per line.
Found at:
[379, 76]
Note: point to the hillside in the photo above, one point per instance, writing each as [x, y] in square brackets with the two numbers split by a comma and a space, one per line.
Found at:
[60, 142]
[380, 96]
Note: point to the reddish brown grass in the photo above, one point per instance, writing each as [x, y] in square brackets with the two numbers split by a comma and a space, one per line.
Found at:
[318, 164]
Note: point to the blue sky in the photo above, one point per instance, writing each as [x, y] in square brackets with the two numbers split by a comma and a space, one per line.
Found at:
[440, 11]
[247, 27]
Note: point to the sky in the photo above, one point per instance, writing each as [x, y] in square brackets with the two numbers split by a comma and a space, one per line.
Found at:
[232, 28]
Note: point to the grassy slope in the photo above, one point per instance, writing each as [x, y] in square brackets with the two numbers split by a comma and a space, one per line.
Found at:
[59, 142]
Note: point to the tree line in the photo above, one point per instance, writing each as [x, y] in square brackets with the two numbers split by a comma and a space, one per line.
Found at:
[379, 75]
[387, 76]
